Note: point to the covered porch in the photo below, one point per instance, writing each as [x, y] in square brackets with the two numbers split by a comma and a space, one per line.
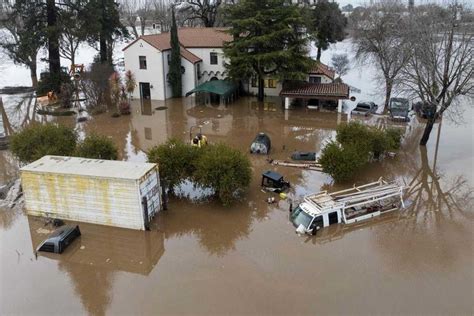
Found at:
[215, 91]
[316, 94]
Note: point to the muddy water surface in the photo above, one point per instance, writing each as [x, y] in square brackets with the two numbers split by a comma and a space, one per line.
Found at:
[246, 259]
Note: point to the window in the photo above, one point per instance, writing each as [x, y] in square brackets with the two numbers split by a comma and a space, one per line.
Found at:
[168, 57]
[313, 79]
[271, 83]
[254, 82]
[148, 133]
[213, 57]
[142, 62]
[198, 70]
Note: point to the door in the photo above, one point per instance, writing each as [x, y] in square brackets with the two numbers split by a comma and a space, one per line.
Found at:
[145, 93]
[333, 218]
[317, 223]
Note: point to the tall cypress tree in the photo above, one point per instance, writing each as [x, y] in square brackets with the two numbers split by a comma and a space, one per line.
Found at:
[269, 40]
[174, 74]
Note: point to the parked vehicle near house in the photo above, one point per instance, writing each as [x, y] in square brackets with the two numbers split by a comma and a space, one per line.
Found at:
[106, 192]
[399, 109]
[424, 109]
[365, 108]
[348, 206]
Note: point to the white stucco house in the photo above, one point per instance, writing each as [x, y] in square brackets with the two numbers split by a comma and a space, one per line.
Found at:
[202, 59]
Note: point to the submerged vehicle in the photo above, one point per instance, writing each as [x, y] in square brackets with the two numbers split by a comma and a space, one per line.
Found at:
[399, 108]
[365, 108]
[273, 181]
[348, 206]
[261, 144]
[60, 239]
[199, 140]
[304, 155]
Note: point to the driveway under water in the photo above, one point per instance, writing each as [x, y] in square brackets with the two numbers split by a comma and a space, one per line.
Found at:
[246, 259]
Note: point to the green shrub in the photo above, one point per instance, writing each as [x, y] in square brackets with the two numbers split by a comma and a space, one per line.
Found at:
[341, 162]
[36, 141]
[97, 147]
[394, 138]
[176, 160]
[351, 133]
[224, 169]
[356, 145]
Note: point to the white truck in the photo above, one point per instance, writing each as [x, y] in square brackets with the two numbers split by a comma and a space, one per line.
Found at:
[348, 206]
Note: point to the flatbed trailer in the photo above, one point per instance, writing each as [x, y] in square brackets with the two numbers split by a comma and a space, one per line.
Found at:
[347, 206]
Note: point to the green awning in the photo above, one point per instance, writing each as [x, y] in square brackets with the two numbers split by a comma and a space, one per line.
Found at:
[220, 87]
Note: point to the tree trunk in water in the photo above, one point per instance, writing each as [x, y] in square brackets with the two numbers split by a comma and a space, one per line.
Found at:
[388, 94]
[261, 91]
[53, 45]
[34, 77]
[318, 56]
[428, 128]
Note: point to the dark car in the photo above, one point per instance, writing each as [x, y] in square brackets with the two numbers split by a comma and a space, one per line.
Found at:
[365, 108]
[399, 108]
[60, 239]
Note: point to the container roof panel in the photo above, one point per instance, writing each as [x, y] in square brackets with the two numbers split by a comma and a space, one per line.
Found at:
[89, 167]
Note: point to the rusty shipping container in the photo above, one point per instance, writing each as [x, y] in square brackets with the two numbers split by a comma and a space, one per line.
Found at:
[106, 192]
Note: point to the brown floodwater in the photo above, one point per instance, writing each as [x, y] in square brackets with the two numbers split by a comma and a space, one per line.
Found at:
[202, 258]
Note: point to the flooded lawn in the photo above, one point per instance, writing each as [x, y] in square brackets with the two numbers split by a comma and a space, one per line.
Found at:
[206, 259]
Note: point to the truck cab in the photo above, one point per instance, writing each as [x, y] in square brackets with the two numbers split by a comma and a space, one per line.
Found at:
[308, 220]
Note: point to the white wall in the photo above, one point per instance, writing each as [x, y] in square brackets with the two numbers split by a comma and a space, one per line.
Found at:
[158, 68]
[154, 72]
[324, 79]
[206, 67]
[188, 78]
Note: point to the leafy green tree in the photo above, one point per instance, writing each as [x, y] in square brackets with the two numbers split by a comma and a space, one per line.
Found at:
[73, 32]
[53, 33]
[174, 75]
[327, 24]
[341, 162]
[269, 40]
[224, 169]
[176, 160]
[103, 26]
[97, 147]
[36, 141]
[355, 146]
[24, 34]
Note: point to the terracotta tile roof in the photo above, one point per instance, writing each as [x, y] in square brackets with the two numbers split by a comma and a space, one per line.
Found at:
[339, 90]
[322, 69]
[186, 54]
[189, 37]
[195, 37]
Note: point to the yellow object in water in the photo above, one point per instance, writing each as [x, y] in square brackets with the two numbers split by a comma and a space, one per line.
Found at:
[282, 196]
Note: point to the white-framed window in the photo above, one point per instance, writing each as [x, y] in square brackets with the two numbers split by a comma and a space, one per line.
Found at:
[142, 62]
